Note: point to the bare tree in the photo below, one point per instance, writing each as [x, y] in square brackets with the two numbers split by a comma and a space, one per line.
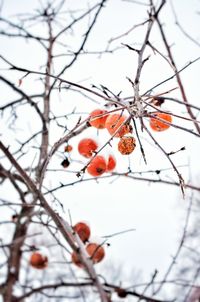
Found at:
[32, 182]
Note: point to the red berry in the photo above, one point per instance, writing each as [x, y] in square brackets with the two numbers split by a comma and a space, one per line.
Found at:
[111, 163]
[39, 261]
[87, 146]
[96, 252]
[83, 230]
[157, 125]
[98, 122]
[114, 122]
[97, 166]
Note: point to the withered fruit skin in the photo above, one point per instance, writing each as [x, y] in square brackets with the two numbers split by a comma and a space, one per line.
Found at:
[126, 145]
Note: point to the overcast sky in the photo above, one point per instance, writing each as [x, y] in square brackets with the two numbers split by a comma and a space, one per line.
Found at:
[156, 211]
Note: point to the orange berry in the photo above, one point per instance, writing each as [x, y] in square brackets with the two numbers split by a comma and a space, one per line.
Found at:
[68, 148]
[126, 145]
[114, 121]
[87, 146]
[96, 252]
[157, 125]
[39, 261]
[111, 163]
[83, 230]
[97, 166]
[75, 259]
[98, 122]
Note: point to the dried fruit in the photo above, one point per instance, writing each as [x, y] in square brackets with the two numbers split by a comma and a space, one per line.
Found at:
[65, 163]
[157, 101]
[158, 125]
[39, 261]
[68, 148]
[83, 230]
[121, 292]
[111, 163]
[114, 122]
[97, 166]
[126, 145]
[87, 147]
[96, 252]
[98, 122]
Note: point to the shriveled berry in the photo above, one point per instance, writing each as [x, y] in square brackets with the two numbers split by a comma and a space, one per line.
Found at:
[65, 163]
[126, 145]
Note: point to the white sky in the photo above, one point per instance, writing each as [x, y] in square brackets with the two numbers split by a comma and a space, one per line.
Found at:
[155, 211]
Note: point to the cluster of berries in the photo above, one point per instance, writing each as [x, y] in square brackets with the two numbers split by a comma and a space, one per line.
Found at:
[117, 125]
[94, 250]
[39, 259]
